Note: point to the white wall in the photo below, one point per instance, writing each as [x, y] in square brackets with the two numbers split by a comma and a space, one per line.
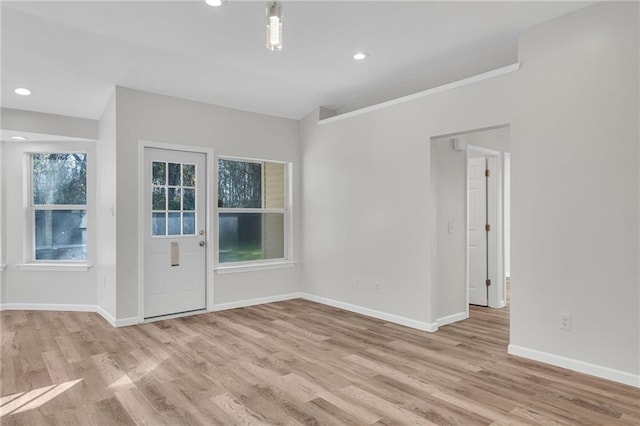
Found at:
[157, 118]
[368, 209]
[3, 232]
[575, 188]
[448, 178]
[105, 210]
[42, 287]
[49, 124]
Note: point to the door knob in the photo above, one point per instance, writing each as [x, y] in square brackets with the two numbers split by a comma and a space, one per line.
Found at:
[202, 243]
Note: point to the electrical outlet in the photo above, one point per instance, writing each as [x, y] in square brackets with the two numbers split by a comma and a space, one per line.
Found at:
[355, 283]
[376, 286]
[104, 282]
[451, 228]
[565, 321]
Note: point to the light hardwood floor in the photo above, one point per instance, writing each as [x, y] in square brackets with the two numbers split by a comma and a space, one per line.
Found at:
[293, 362]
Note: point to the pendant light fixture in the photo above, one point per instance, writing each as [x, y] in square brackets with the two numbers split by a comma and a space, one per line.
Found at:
[274, 26]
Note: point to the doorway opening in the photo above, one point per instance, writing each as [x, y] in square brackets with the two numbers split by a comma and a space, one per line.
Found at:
[470, 176]
[174, 228]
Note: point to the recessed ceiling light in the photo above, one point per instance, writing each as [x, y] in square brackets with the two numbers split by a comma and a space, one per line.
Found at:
[214, 3]
[359, 56]
[19, 138]
[22, 91]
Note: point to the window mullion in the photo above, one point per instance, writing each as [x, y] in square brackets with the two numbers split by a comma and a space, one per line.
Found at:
[59, 206]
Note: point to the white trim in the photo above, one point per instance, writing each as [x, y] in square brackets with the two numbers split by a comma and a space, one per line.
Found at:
[452, 318]
[106, 315]
[258, 301]
[54, 267]
[173, 316]
[576, 365]
[438, 89]
[124, 322]
[47, 307]
[396, 319]
[235, 268]
[228, 210]
[483, 150]
[210, 220]
[69, 308]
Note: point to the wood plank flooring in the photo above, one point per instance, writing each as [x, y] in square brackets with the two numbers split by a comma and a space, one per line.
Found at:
[293, 362]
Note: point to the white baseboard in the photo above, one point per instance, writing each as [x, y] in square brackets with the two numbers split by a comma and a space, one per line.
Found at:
[258, 301]
[125, 322]
[106, 315]
[396, 319]
[452, 318]
[46, 307]
[576, 365]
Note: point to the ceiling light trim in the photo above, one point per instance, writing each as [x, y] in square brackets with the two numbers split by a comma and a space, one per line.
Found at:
[438, 89]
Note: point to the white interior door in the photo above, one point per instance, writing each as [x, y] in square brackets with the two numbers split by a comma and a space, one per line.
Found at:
[174, 234]
[477, 232]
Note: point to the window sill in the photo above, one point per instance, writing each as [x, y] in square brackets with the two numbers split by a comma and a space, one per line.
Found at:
[59, 267]
[232, 269]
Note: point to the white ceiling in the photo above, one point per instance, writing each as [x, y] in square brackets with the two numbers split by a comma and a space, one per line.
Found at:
[72, 54]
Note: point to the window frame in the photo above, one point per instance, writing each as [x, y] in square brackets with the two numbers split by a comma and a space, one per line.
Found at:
[286, 261]
[33, 208]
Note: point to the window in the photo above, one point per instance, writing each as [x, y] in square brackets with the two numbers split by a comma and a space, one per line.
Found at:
[59, 206]
[253, 211]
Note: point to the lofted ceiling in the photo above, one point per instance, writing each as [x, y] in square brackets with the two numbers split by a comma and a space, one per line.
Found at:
[72, 54]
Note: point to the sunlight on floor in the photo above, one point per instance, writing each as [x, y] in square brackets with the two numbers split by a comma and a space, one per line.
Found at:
[123, 382]
[25, 401]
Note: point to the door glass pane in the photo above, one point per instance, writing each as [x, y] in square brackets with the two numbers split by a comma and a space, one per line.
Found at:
[174, 199]
[159, 198]
[174, 224]
[189, 223]
[159, 173]
[250, 236]
[159, 224]
[174, 174]
[189, 201]
[189, 175]
[173, 192]
[61, 234]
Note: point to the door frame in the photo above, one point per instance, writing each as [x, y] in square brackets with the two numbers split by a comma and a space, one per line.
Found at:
[496, 298]
[209, 223]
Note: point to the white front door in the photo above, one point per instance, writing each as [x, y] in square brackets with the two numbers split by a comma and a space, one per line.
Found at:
[477, 231]
[174, 235]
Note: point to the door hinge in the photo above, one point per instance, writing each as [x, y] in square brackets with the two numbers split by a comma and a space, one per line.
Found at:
[488, 283]
[487, 227]
[487, 173]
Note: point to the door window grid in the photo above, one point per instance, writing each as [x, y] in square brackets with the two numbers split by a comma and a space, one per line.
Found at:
[173, 199]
